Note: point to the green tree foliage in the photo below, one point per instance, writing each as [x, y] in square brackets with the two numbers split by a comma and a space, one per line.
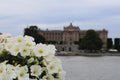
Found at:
[91, 41]
[33, 31]
[109, 43]
[117, 43]
[76, 42]
[80, 44]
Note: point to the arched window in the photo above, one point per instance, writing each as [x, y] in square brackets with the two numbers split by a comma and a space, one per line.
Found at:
[63, 49]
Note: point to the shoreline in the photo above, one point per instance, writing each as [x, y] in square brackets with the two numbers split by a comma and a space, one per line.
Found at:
[86, 54]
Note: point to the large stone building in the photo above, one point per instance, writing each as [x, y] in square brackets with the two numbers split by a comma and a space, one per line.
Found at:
[65, 40]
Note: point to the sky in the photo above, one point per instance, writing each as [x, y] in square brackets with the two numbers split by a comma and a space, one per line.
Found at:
[15, 15]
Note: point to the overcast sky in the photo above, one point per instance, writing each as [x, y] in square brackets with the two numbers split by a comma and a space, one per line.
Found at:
[15, 15]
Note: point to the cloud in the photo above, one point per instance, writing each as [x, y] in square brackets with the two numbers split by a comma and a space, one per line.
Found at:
[15, 15]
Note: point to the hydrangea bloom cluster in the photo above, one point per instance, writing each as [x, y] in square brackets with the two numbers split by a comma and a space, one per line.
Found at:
[22, 59]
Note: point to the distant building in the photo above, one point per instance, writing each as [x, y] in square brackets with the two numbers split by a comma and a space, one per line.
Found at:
[65, 40]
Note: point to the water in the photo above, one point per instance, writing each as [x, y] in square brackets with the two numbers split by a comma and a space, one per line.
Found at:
[91, 68]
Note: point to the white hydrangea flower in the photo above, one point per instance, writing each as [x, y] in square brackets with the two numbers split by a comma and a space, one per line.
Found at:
[10, 40]
[15, 50]
[36, 70]
[57, 61]
[25, 68]
[29, 42]
[19, 39]
[51, 49]
[5, 77]
[1, 48]
[52, 59]
[2, 68]
[40, 50]
[8, 46]
[29, 45]
[22, 73]
[28, 38]
[48, 77]
[49, 57]
[3, 38]
[30, 60]
[52, 68]
[25, 52]
[10, 72]
[61, 75]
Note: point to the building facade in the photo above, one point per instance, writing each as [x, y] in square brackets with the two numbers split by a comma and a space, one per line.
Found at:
[66, 39]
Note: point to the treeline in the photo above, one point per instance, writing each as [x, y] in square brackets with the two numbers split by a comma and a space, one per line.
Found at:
[91, 42]
[34, 32]
[113, 43]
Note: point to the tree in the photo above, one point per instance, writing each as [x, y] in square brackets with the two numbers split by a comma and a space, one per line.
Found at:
[80, 44]
[117, 43]
[109, 43]
[91, 41]
[33, 31]
[76, 42]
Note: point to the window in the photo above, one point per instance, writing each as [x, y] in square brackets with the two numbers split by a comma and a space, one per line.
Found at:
[69, 48]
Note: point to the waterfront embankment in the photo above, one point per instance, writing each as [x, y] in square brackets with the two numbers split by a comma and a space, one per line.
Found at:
[86, 54]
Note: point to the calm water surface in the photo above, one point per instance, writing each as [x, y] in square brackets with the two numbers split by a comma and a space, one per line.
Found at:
[91, 68]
